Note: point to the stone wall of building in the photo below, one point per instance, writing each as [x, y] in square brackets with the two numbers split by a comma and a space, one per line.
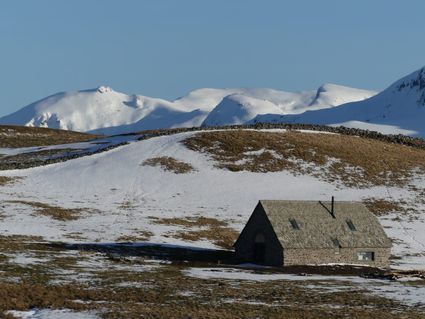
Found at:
[341, 255]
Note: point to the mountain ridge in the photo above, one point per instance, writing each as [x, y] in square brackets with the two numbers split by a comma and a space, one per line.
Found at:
[105, 111]
[399, 109]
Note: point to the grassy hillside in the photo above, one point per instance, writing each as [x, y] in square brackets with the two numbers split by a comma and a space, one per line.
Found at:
[22, 136]
[194, 191]
[352, 160]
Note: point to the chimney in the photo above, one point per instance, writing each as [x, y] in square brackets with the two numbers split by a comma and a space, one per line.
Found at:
[332, 210]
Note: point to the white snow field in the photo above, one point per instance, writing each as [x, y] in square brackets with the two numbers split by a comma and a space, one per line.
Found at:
[106, 111]
[120, 196]
[399, 109]
[52, 314]
[241, 108]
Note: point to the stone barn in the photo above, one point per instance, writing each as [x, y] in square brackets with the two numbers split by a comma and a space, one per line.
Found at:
[283, 233]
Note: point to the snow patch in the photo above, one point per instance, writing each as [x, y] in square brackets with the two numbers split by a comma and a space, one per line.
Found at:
[52, 314]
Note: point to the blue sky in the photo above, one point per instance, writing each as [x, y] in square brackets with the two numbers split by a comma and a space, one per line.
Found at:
[165, 48]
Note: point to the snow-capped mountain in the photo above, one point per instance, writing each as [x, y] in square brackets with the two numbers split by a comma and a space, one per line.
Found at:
[106, 111]
[241, 108]
[399, 109]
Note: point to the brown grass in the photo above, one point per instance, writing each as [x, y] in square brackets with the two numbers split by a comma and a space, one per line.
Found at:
[7, 180]
[209, 299]
[76, 236]
[143, 235]
[356, 161]
[26, 296]
[55, 212]
[20, 136]
[169, 164]
[167, 292]
[20, 243]
[210, 229]
[382, 207]
[127, 205]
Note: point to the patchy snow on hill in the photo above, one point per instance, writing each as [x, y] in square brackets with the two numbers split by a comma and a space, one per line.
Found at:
[119, 196]
[410, 295]
[399, 109]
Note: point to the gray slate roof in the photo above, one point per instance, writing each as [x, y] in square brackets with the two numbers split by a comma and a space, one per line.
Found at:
[317, 227]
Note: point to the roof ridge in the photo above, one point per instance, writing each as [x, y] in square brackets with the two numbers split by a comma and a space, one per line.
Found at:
[309, 201]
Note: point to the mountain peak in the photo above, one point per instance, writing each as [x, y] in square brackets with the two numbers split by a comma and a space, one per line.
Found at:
[329, 94]
[104, 89]
[414, 81]
[399, 109]
[328, 87]
[103, 110]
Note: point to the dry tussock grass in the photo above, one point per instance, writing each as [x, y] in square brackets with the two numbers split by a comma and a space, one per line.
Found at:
[190, 221]
[26, 296]
[168, 163]
[55, 212]
[18, 242]
[381, 207]
[79, 236]
[210, 229]
[356, 161]
[21, 136]
[7, 180]
[127, 205]
[167, 292]
[206, 298]
[143, 235]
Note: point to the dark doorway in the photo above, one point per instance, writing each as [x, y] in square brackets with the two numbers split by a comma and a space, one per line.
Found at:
[259, 248]
[259, 252]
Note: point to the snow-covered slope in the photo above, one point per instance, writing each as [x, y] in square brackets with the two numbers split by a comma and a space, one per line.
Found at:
[106, 111]
[331, 95]
[124, 199]
[239, 109]
[398, 109]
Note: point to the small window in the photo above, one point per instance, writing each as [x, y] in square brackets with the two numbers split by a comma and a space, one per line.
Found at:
[366, 256]
[294, 224]
[259, 238]
[336, 243]
[350, 225]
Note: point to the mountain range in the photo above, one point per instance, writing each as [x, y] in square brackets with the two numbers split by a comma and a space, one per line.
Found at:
[105, 111]
[399, 109]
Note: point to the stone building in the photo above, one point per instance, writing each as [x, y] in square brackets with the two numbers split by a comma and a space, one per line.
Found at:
[283, 233]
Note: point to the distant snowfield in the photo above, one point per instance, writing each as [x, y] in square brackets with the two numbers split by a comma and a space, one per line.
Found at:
[399, 109]
[384, 129]
[106, 111]
[121, 196]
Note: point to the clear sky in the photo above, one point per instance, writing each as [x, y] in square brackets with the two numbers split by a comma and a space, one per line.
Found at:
[165, 48]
